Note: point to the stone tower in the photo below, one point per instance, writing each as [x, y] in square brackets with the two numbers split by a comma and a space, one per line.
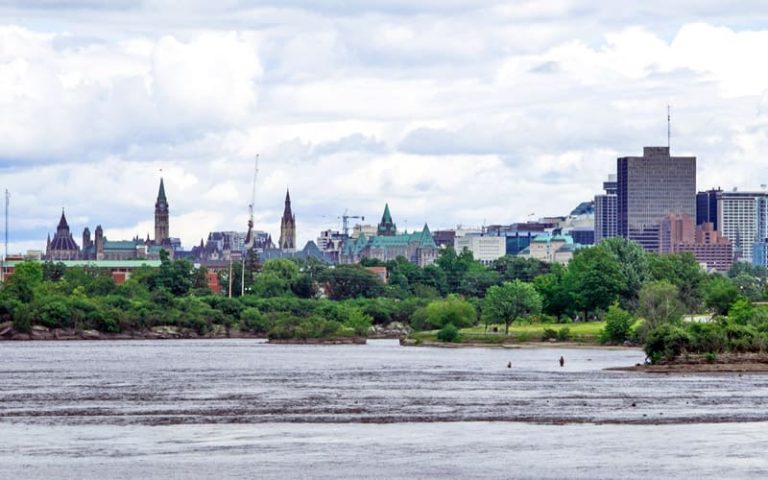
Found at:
[288, 226]
[99, 242]
[387, 227]
[161, 217]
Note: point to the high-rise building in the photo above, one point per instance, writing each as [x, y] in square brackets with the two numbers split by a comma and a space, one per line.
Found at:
[651, 187]
[706, 207]
[288, 226]
[162, 227]
[605, 211]
[742, 217]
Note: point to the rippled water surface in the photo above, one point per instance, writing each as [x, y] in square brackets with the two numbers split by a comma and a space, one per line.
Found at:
[243, 409]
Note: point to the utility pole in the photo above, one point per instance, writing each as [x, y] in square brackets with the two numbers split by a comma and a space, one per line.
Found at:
[5, 252]
[230, 278]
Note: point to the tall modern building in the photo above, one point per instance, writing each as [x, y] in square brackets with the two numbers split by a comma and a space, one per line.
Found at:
[605, 211]
[162, 227]
[706, 207]
[742, 217]
[288, 226]
[648, 189]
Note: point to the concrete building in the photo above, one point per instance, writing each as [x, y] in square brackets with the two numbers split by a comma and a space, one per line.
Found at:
[651, 187]
[551, 249]
[484, 248]
[330, 243]
[742, 217]
[606, 216]
[679, 234]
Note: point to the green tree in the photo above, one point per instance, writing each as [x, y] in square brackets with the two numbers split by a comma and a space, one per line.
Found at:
[633, 263]
[511, 268]
[720, 294]
[351, 281]
[659, 304]
[451, 310]
[595, 280]
[26, 279]
[684, 272]
[555, 292]
[741, 312]
[618, 323]
[448, 333]
[510, 301]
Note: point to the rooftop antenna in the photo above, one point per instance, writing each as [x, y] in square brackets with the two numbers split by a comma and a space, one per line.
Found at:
[669, 128]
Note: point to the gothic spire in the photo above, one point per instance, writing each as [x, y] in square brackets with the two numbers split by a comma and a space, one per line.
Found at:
[161, 193]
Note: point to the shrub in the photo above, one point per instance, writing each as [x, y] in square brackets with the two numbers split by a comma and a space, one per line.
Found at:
[448, 333]
[254, 320]
[22, 321]
[618, 323]
[359, 322]
[549, 333]
[710, 357]
[564, 334]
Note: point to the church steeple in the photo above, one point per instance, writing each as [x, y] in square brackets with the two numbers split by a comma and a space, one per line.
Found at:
[288, 226]
[162, 226]
[387, 227]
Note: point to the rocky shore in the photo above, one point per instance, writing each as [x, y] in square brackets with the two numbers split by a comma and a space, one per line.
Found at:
[39, 332]
[722, 363]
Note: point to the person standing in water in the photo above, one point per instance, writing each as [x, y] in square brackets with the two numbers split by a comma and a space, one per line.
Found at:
[562, 361]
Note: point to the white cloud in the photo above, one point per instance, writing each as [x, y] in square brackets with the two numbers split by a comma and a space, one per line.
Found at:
[453, 112]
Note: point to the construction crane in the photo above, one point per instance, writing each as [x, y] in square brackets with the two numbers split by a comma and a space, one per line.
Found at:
[249, 236]
[345, 221]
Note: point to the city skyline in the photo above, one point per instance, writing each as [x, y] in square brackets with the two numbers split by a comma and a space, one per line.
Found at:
[465, 112]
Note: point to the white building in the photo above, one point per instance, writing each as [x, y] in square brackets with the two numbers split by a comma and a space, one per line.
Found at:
[743, 219]
[551, 249]
[484, 249]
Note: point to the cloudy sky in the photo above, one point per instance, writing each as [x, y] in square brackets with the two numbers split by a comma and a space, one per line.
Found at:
[453, 111]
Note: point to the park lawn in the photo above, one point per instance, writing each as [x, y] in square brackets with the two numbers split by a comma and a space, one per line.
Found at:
[586, 332]
[580, 328]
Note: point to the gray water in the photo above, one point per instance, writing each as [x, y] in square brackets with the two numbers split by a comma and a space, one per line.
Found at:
[244, 409]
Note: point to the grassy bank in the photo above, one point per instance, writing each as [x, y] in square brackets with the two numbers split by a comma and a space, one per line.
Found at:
[586, 332]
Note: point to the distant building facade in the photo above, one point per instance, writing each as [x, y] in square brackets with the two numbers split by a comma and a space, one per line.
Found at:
[418, 247]
[742, 217]
[551, 249]
[678, 233]
[706, 207]
[606, 214]
[651, 187]
[485, 249]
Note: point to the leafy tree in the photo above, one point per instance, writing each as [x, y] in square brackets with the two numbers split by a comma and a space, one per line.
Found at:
[683, 271]
[618, 323]
[359, 322]
[476, 283]
[659, 304]
[351, 281]
[27, 277]
[270, 284]
[554, 291]
[455, 266]
[721, 294]
[595, 280]
[53, 272]
[633, 263]
[452, 310]
[510, 301]
[749, 286]
[511, 268]
[741, 312]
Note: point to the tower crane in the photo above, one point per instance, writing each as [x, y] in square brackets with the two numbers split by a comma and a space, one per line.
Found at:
[345, 221]
[249, 236]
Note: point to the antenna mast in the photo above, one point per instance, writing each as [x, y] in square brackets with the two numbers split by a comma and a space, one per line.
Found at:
[669, 128]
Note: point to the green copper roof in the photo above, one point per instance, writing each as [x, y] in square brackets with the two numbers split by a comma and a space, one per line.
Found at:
[100, 263]
[387, 217]
[161, 193]
[120, 245]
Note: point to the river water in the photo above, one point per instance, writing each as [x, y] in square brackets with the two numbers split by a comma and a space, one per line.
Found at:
[245, 409]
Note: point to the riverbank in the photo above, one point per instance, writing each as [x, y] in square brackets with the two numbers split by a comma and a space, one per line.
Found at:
[722, 363]
[38, 332]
